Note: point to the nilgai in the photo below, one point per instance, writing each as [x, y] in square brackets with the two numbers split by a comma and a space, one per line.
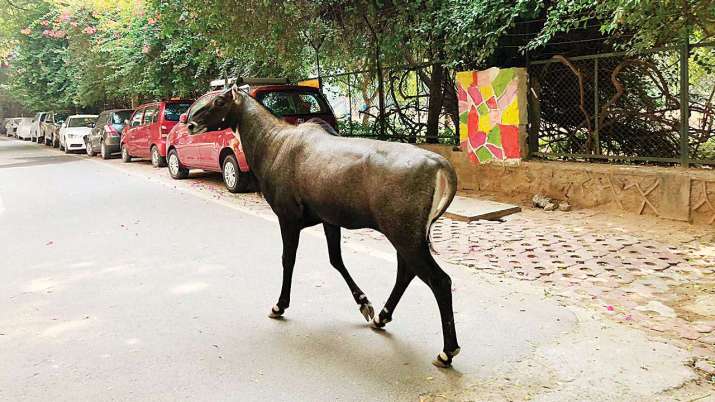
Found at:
[309, 177]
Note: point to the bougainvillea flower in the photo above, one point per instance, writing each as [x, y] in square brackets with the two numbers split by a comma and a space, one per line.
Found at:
[46, 32]
[89, 30]
[151, 21]
[44, 23]
[65, 16]
[74, 23]
[26, 31]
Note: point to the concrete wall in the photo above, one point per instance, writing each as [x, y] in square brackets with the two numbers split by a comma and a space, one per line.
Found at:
[672, 193]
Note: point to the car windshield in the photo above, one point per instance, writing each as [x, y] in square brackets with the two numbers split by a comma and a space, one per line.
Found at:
[81, 121]
[173, 111]
[293, 102]
[120, 116]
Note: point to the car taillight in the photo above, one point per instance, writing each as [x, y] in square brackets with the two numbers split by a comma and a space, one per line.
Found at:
[112, 131]
[164, 131]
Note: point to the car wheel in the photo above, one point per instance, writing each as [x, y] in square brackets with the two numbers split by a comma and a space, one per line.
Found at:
[104, 151]
[126, 158]
[66, 149]
[176, 170]
[55, 141]
[88, 147]
[156, 159]
[233, 178]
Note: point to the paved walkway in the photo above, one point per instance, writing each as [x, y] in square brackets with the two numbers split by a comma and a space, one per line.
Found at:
[654, 274]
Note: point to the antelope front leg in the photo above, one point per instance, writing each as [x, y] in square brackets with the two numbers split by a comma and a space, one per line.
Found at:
[290, 234]
[332, 235]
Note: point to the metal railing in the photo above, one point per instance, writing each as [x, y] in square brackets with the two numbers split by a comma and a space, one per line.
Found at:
[391, 104]
[620, 107]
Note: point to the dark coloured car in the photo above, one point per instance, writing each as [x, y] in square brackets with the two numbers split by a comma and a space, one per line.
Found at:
[107, 132]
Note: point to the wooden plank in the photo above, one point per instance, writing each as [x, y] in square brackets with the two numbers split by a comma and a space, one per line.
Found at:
[470, 209]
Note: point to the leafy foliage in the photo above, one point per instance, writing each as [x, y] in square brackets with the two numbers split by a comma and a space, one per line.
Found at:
[100, 53]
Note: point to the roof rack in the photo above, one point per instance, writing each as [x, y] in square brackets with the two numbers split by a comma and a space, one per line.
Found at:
[252, 81]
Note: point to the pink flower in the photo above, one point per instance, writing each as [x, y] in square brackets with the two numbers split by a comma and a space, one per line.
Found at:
[146, 49]
[151, 21]
[74, 24]
[609, 308]
[44, 23]
[89, 30]
[46, 32]
[65, 16]
[60, 34]
[26, 31]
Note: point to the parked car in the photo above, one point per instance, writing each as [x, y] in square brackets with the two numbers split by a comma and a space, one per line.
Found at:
[221, 151]
[24, 128]
[147, 129]
[10, 125]
[74, 131]
[106, 133]
[51, 128]
[36, 129]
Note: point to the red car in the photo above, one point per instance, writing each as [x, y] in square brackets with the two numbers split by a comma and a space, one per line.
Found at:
[145, 133]
[220, 151]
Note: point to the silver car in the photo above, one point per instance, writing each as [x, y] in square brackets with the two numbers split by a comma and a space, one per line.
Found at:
[24, 128]
[36, 130]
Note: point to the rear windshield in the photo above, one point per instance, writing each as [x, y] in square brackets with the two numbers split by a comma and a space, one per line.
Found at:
[81, 121]
[286, 103]
[119, 117]
[173, 111]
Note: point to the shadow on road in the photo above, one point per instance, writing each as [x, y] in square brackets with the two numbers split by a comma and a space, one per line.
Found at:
[39, 161]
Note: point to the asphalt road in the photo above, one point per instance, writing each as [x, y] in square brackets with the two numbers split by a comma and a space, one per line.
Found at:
[117, 283]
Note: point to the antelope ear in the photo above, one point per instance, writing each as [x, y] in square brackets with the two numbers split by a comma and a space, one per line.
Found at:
[235, 93]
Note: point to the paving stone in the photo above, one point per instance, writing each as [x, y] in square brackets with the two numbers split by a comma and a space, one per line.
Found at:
[706, 366]
[709, 339]
[688, 333]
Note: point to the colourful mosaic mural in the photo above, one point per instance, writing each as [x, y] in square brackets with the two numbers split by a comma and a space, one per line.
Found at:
[489, 114]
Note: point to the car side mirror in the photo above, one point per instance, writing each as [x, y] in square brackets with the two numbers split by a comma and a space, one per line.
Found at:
[183, 118]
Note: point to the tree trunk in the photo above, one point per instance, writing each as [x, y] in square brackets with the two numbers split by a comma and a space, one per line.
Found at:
[436, 100]
[450, 104]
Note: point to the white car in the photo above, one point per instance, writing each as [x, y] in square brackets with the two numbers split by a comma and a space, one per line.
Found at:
[75, 130]
[11, 126]
[24, 128]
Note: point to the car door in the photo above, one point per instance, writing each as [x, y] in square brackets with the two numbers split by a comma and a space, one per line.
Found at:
[149, 126]
[189, 145]
[96, 133]
[131, 132]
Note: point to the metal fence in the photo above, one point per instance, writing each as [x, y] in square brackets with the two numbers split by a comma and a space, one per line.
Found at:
[625, 108]
[392, 104]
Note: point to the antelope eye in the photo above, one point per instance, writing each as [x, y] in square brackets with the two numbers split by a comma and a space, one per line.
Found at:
[219, 102]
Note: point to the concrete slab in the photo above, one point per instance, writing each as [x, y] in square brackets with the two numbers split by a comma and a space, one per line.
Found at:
[471, 209]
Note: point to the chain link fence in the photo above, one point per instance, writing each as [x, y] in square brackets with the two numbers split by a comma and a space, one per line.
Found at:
[625, 108]
[397, 110]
